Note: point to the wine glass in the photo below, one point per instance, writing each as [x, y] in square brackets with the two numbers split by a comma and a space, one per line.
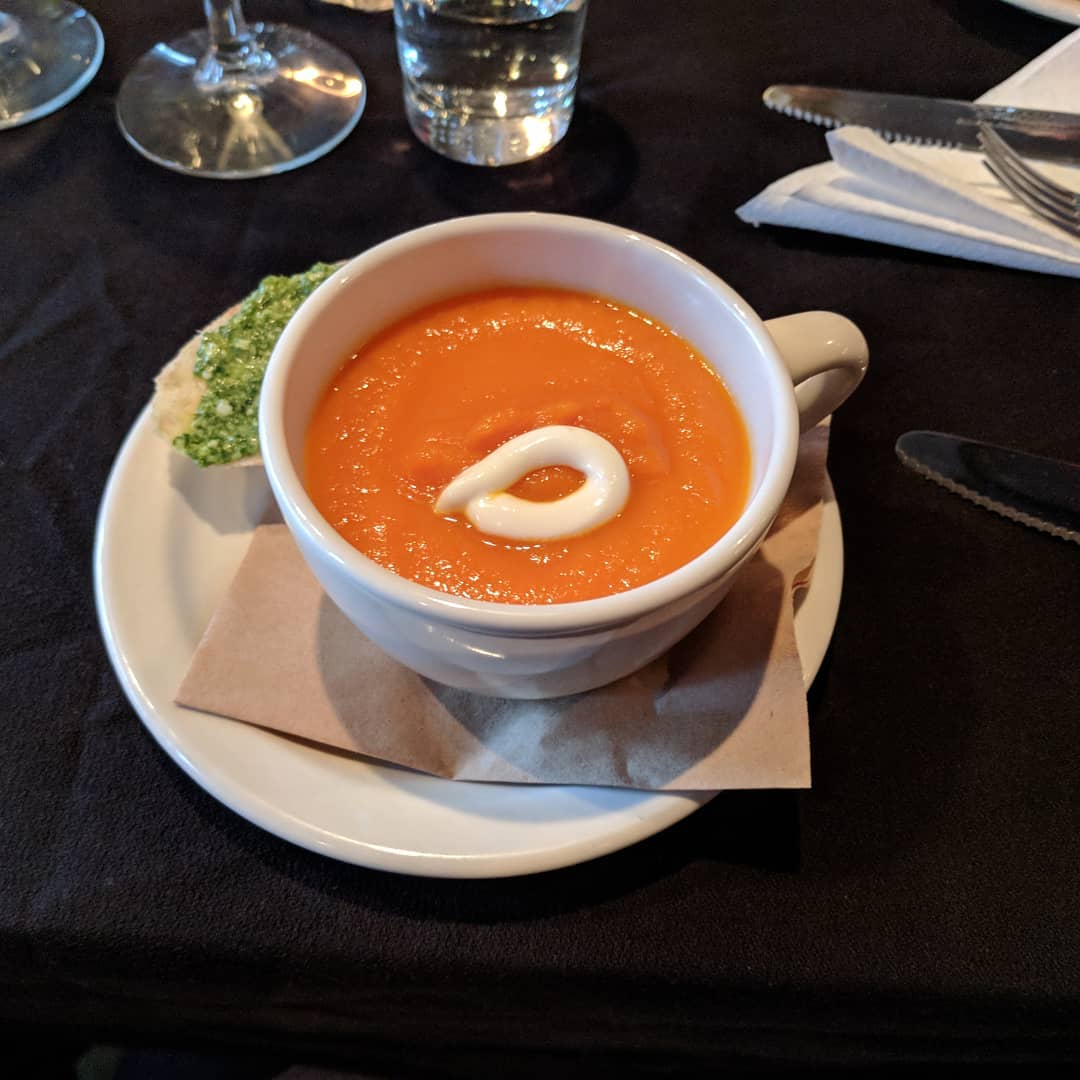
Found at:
[49, 52]
[238, 100]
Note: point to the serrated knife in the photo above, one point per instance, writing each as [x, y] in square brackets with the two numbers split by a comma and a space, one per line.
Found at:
[1037, 491]
[1050, 136]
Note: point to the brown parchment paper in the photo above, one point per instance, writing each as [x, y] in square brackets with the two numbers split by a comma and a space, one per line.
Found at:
[725, 708]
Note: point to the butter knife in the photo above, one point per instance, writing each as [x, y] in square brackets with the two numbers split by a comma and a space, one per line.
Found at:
[1050, 136]
[1037, 491]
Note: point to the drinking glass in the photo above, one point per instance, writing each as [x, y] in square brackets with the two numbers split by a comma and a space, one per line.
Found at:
[238, 100]
[49, 52]
[489, 82]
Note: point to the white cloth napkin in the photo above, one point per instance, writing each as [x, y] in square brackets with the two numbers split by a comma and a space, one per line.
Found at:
[942, 201]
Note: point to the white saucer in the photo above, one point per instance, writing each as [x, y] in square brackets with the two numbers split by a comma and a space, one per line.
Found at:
[170, 538]
[1061, 10]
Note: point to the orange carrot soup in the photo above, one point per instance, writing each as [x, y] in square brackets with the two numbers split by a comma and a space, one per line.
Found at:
[442, 388]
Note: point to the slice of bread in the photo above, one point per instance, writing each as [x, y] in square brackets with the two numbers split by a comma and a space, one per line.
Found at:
[178, 391]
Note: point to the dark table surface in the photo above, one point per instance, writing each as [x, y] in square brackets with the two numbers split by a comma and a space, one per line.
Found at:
[919, 902]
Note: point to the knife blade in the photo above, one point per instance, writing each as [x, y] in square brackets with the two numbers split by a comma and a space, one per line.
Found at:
[1050, 136]
[1037, 491]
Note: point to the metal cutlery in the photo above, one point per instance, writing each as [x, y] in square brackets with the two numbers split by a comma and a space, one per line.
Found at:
[1038, 192]
[1041, 492]
[1037, 133]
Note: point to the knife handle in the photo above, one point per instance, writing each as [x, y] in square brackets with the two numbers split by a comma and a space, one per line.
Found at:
[827, 357]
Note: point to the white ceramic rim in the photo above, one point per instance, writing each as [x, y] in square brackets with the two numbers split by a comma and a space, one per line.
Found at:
[527, 619]
[1062, 10]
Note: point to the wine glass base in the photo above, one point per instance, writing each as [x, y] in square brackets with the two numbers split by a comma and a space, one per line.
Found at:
[48, 55]
[284, 113]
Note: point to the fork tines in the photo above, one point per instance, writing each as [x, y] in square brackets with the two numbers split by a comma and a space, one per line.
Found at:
[1038, 192]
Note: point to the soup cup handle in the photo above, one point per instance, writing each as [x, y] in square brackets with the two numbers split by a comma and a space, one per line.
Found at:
[827, 357]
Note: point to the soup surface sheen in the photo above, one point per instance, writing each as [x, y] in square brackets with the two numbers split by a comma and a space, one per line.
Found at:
[437, 391]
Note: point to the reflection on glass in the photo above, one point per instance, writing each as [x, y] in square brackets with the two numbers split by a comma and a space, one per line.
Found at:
[368, 6]
[49, 52]
[238, 100]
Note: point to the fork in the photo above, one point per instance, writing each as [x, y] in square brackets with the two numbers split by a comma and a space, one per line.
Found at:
[1051, 201]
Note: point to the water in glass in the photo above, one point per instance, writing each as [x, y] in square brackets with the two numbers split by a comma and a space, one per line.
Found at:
[490, 82]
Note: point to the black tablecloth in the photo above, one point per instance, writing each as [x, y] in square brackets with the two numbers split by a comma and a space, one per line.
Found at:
[919, 902]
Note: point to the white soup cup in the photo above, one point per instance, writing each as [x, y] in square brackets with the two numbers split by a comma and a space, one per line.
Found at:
[785, 376]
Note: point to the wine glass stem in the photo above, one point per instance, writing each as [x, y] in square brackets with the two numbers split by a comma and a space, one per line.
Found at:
[225, 20]
[232, 51]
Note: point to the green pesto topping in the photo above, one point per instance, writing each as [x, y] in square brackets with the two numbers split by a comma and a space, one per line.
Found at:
[232, 360]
